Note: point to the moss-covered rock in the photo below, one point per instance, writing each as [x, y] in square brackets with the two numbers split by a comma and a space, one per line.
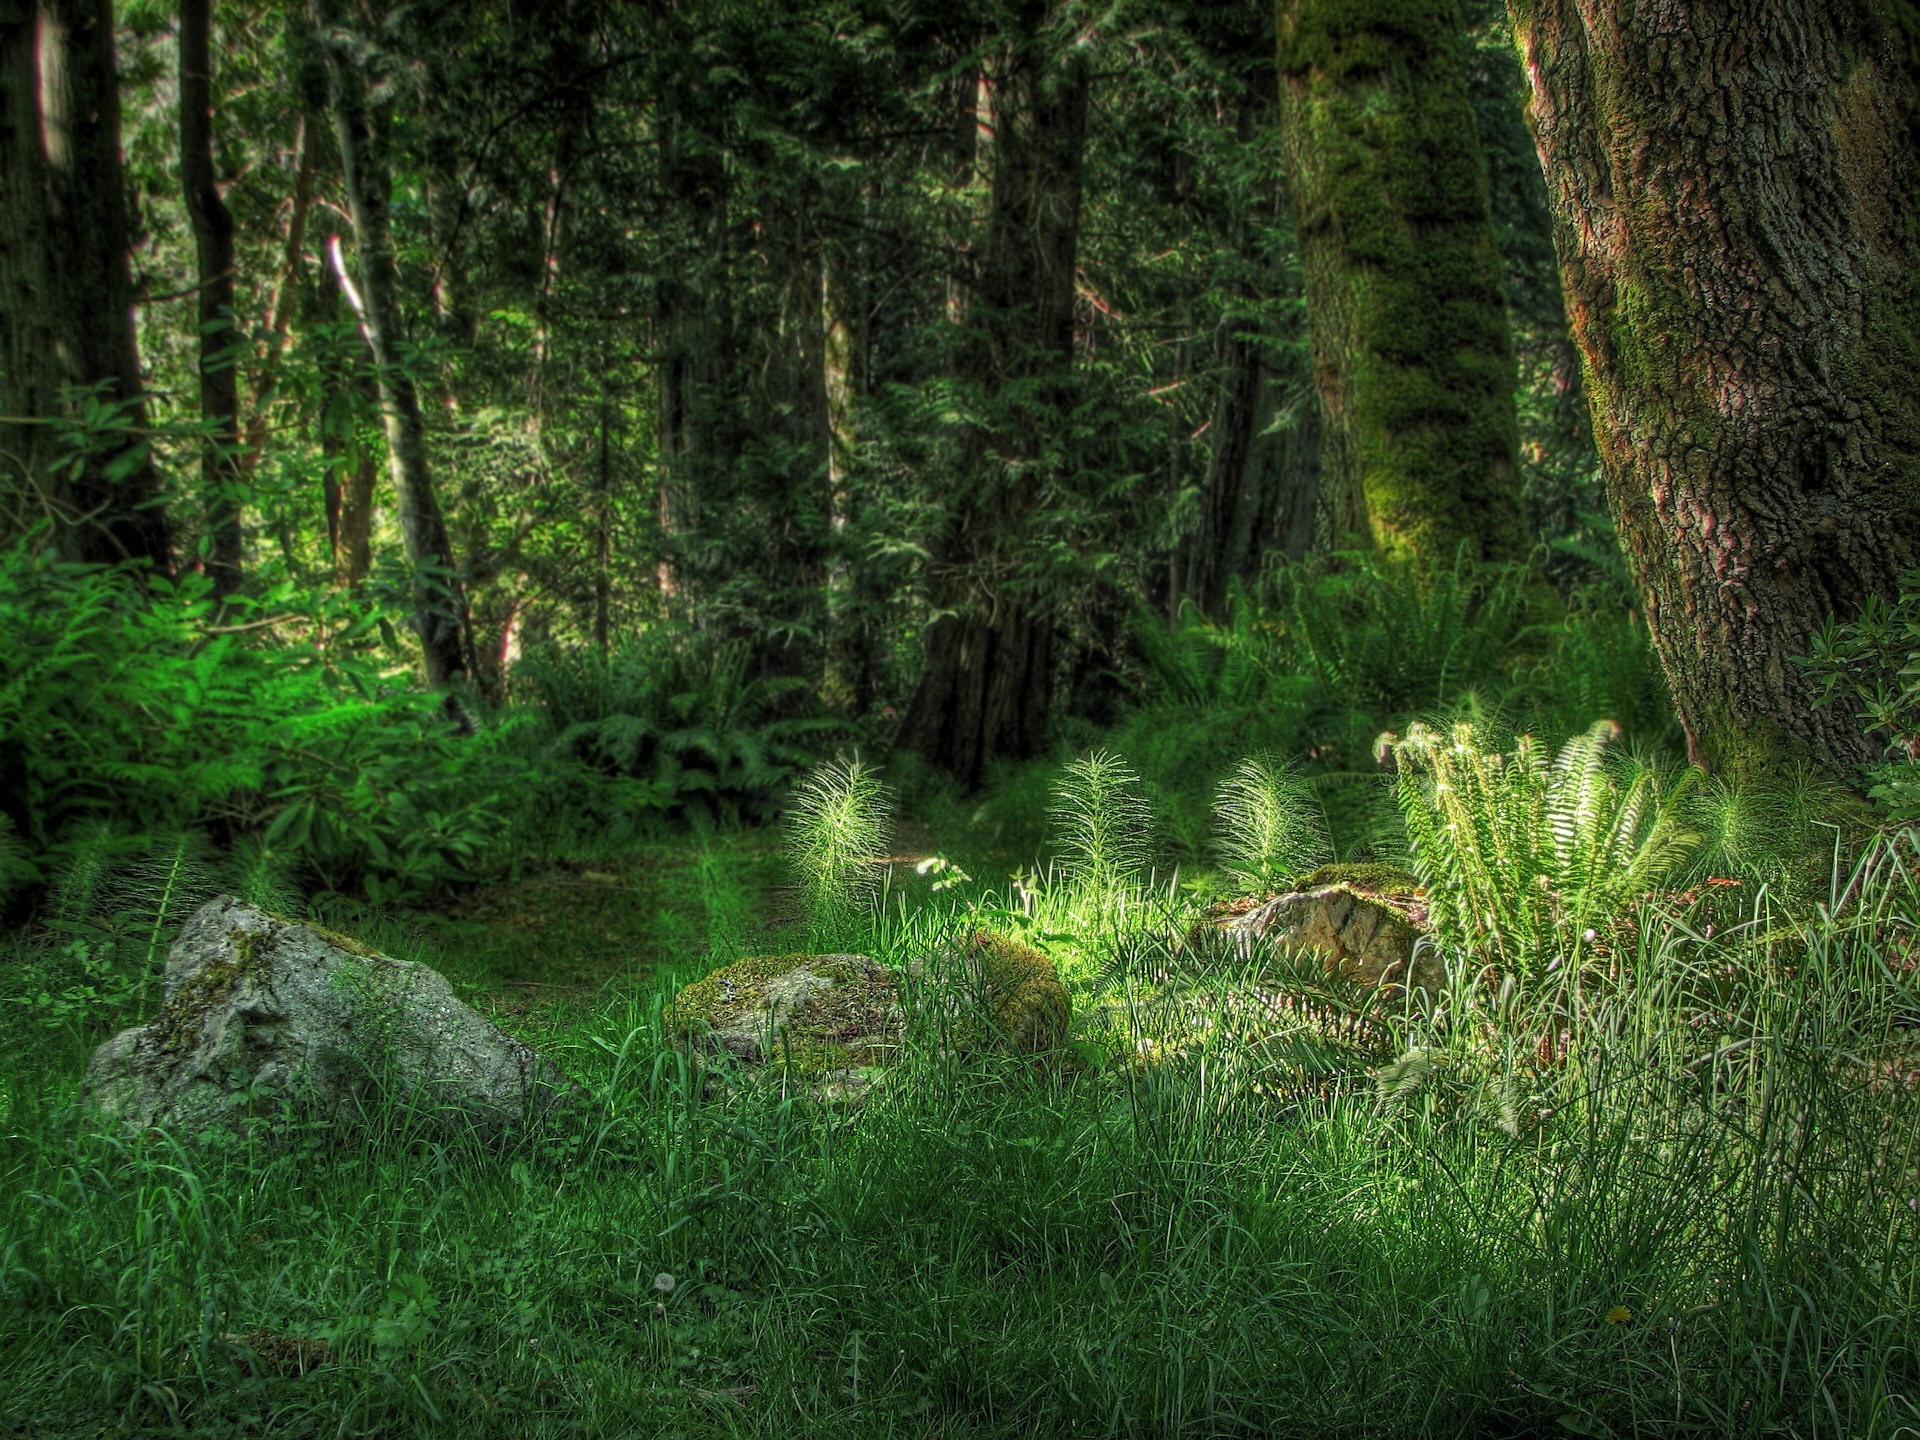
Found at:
[817, 1014]
[990, 992]
[266, 1017]
[831, 1019]
[1366, 929]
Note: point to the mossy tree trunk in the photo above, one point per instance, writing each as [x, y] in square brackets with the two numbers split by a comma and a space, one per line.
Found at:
[985, 689]
[66, 290]
[1408, 325]
[1734, 195]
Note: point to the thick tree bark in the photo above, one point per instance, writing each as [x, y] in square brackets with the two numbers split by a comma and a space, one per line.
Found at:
[986, 687]
[1734, 191]
[1409, 330]
[220, 474]
[439, 604]
[66, 292]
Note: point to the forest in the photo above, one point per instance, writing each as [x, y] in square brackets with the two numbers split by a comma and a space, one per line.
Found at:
[999, 718]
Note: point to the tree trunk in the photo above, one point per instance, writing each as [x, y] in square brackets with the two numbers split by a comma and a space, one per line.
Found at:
[439, 604]
[986, 688]
[285, 286]
[1262, 490]
[220, 477]
[66, 292]
[1409, 330]
[1745, 291]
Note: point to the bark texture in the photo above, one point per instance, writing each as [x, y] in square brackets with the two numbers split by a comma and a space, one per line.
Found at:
[985, 691]
[1734, 195]
[439, 604]
[220, 475]
[66, 291]
[1412, 355]
[1262, 488]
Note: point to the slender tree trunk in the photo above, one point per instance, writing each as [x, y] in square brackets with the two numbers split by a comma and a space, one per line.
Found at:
[1745, 291]
[603, 524]
[1409, 330]
[280, 305]
[66, 291]
[1261, 494]
[846, 676]
[439, 605]
[220, 476]
[986, 686]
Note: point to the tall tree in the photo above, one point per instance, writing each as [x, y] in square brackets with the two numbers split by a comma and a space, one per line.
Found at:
[66, 291]
[986, 687]
[1402, 272]
[361, 128]
[1745, 291]
[220, 474]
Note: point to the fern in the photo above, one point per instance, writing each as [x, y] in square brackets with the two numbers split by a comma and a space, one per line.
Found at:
[1526, 860]
[1269, 824]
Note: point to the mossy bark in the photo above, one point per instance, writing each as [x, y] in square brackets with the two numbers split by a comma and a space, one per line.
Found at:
[1734, 196]
[1408, 325]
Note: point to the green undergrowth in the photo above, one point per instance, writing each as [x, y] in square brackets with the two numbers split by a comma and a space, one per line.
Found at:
[1678, 1200]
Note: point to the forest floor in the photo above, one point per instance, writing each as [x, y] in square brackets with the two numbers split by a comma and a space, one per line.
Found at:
[986, 1247]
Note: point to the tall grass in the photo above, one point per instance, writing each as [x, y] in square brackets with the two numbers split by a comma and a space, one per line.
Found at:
[1679, 1201]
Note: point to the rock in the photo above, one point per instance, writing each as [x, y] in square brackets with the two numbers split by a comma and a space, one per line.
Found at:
[1365, 936]
[992, 992]
[815, 1013]
[838, 1020]
[261, 1013]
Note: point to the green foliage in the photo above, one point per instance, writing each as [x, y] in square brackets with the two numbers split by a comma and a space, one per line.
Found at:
[1269, 824]
[129, 704]
[677, 722]
[1102, 824]
[1872, 666]
[1526, 862]
[1391, 640]
[838, 826]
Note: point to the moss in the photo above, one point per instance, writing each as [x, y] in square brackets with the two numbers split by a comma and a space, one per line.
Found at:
[837, 1027]
[1403, 284]
[181, 1017]
[1365, 877]
[1021, 992]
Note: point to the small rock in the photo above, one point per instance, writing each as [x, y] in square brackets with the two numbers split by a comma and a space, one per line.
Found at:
[262, 1013]
[838, 1020]
[1363, 937]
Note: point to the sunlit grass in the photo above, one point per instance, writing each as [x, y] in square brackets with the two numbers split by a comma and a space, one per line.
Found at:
[1679, 1200]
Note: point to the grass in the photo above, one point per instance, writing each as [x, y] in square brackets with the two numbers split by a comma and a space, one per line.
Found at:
[1680, 1201]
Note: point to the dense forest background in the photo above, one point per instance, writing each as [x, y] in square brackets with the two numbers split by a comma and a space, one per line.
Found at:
[586, 492]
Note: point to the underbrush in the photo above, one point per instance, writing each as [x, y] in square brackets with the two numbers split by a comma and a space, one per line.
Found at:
[1664, 1185]
[285, 734]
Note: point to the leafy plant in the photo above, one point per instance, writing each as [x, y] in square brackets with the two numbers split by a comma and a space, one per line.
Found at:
[838, 826]
[682, 721]
[1526, 860]
[1269, 824]
[1102, 824]
[1873, 665]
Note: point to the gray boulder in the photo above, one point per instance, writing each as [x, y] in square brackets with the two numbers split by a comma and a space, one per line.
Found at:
[262, 1014]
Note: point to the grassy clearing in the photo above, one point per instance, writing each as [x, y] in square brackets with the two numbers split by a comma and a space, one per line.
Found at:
[1683, 1204]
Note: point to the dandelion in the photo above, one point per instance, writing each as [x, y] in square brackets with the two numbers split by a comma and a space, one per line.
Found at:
[1619, 1315]
[663, 1283]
